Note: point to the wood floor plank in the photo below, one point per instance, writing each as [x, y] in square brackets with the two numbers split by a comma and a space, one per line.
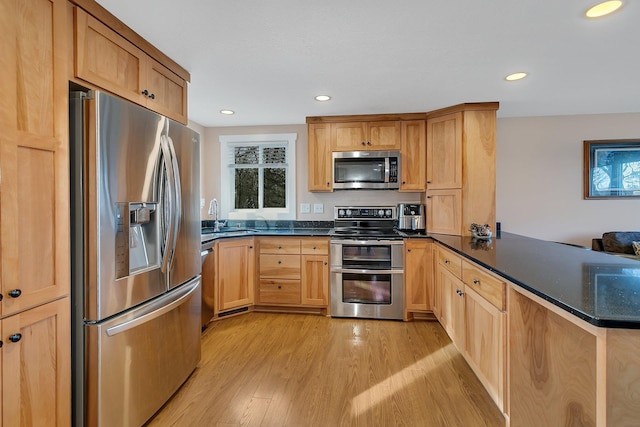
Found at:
[268, 369]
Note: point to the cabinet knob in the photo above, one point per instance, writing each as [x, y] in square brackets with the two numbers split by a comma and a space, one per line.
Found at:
[15, 293]
[428, 182]
[368, 142]
[408, 250]
[250, 247]
[404, 182]
[363, 143]
[428, 197]
[145, 92]
[476, 281]
[279, 262]
[328, 184]
[0, 344]
[446, 261]
[325, 263]
[15, 337]
[152, 96]
[279, 286]
[0, 297]
[279, 247]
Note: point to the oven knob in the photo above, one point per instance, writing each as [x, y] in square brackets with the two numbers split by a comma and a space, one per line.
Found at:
[341, 212]
[388, 213]
[380, 212]
[348, 212]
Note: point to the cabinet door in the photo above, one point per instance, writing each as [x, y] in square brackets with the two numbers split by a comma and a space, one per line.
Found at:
[384, 135]
[485, 349]
[413, 156]
[452, 310]
[34, 156]
[444, 211]
[36, 367]
[418, 274]
[106, 59]
[349, 136]
[444, 152]
[167, 93]
[315, 280]
[236, 273]
[319, 158]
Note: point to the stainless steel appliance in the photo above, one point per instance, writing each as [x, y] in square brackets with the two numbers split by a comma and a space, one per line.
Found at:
[135, 259]
[367, 258]
[411, 217]
[377, 170]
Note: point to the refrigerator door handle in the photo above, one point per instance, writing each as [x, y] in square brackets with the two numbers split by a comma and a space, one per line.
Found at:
[165, 307]
[177, 186]
[168, 204]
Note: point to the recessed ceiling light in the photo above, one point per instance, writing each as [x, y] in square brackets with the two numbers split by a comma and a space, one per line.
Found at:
[322, 98]
[515, 76]
[603, 9]
[227, 112]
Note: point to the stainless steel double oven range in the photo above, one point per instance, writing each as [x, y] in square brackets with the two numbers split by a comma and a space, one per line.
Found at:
[367, 259]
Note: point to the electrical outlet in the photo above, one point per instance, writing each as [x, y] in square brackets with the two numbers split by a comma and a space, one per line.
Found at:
[201, 203]
[318, 208]
[305, 208]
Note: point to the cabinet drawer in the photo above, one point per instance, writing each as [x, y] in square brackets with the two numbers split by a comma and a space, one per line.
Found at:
[280, 266]
[279, 245]
[490, 287]
[315, 246]
[278, 291]
[450, 261]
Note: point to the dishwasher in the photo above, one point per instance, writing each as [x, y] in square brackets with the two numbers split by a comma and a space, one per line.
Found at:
[208, 282]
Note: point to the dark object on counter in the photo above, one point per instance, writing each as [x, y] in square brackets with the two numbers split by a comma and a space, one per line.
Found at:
[411, 217]
[620, 241]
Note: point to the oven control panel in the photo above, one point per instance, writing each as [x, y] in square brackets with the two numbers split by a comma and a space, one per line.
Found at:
[365, 212]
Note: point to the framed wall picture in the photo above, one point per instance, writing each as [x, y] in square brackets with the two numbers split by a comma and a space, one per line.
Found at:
[611, 168]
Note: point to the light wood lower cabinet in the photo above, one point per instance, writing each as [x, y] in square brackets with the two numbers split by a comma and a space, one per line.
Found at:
[293, 271]
[36, 363]
[418, 277]
[235, 271]
[470, 307]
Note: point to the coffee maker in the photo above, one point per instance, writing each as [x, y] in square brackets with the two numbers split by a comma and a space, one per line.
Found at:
[411, 217]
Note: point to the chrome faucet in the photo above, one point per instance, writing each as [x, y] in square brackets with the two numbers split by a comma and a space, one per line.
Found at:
[213, 210]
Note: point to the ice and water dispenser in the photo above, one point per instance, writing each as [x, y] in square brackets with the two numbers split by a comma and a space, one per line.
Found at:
[137, 238]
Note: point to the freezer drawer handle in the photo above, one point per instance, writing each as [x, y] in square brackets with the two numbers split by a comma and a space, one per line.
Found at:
[125, 326]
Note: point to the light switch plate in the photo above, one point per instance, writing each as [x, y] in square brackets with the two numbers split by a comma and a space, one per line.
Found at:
[201, 203]
[318, 208]
[305, 208]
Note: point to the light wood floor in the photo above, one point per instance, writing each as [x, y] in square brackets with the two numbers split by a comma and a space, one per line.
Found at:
[263, 369]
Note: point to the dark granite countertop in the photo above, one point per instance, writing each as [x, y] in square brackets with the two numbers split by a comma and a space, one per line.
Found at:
[599, 288]
[271, 231]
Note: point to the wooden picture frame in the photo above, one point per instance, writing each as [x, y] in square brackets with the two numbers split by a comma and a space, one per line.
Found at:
[612, 169]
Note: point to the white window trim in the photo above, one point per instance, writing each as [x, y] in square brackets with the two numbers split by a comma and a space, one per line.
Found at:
[226, 141]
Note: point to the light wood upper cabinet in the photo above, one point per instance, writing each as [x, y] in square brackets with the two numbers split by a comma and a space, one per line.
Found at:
[106, 59]
[418, 273]
[34, 156]
[444, 152]
[413, 150]
[36, 366]
[319, 157]
[235, 273]
[461, 168]
[359, 136]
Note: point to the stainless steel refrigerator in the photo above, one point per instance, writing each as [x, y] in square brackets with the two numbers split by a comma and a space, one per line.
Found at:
[136, 260]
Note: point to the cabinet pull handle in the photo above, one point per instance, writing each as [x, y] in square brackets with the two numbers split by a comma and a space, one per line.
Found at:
[15, 293]
[145, 92]
[15, 337]
[476, 281]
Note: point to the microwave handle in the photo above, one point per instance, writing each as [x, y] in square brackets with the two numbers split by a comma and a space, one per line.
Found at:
[387, 169]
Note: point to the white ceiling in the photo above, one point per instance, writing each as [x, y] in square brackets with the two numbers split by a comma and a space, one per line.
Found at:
[266, 60]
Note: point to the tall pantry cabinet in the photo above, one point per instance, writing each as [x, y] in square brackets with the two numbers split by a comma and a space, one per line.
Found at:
[34, 214]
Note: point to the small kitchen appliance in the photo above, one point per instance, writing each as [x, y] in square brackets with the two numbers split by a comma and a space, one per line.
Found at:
[411, 217]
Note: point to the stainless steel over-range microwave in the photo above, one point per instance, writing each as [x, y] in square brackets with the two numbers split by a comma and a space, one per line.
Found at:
[376, 170]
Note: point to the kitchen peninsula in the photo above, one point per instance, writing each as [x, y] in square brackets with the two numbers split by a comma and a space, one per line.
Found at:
[570, 331]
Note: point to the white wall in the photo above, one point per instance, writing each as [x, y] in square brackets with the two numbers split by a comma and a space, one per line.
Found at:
[210, 164]
[540, 177]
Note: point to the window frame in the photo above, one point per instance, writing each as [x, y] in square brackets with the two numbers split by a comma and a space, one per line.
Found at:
[227, 178]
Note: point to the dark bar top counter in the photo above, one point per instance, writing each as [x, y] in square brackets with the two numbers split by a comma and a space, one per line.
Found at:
[599, 288]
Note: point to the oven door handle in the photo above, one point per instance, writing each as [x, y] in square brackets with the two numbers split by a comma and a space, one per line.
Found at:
[366, 271]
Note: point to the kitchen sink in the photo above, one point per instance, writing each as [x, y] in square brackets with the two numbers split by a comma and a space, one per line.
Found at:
[208, 233]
